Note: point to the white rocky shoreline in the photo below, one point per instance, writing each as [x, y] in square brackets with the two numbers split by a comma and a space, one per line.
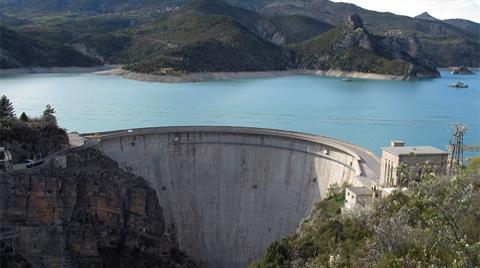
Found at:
[199, 77]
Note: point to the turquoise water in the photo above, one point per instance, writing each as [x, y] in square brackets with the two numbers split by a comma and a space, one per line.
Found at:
[365, 112]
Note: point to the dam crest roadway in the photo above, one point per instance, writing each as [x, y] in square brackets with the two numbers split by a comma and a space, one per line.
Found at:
[228, 192]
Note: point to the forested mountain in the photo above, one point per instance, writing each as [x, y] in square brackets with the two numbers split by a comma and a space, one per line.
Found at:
[231, 35]
[18, 51]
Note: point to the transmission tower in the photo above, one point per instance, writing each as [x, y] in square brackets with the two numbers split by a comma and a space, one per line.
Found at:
[456, 157]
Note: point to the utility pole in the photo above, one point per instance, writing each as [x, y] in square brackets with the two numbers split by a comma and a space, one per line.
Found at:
[456, 154]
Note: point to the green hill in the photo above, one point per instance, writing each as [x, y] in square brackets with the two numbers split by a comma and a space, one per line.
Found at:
[208, 43]
[20, 51]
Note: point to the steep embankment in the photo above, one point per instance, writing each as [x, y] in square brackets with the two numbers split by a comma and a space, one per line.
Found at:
[90, 213]
[349, 47]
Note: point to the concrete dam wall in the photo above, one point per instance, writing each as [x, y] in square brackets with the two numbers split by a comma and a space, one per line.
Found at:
[228, 192]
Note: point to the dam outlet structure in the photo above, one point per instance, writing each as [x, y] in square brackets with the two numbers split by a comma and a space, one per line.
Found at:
[228, 192]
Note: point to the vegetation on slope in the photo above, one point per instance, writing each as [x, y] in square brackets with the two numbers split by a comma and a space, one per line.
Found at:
[469, 26]
[186, 36]
[20, 51]
[203, 43]
[386, 24]
[29, 138]
[86, 6]
[297, 28]
[349, 47]
[432, 224]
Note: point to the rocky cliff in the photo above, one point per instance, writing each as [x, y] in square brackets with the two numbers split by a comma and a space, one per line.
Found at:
[89, 214]
[350, 47]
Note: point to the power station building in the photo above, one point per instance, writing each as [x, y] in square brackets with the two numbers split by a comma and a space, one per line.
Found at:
[414, 157]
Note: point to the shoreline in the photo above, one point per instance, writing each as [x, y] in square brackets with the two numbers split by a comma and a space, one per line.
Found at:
[117, 70]
[42, 70]
[200, 77]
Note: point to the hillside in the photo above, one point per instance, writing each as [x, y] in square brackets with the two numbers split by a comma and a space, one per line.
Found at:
[277, 29]
[18, 51]
[297, 28]
[208, 43]
[432, 224]
[213, 36]
[86, 6]
[446, 43]
[349, 47]
[469, 26]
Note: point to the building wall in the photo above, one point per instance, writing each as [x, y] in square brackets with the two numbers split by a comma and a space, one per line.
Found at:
[227, 196]
[438, 162]
[350, 199]
[390, 163]
[388, 169]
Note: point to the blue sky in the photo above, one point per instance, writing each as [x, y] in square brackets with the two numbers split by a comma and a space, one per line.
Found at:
[441, 9]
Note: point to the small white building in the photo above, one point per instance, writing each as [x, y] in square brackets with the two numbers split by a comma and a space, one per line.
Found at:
[413, 157]
[358, 197]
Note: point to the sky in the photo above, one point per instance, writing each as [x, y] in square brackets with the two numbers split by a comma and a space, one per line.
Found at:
[440, 9]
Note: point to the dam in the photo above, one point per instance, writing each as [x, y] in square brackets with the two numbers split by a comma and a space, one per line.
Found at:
[228, 192]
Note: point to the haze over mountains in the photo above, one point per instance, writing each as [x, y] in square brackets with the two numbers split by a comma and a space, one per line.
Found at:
[216, 36]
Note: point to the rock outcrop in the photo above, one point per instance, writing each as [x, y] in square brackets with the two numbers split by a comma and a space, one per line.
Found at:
[89, 214]
[351, 48]
[462, 70]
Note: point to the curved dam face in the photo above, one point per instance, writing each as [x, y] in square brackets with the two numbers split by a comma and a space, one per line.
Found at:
[227, 192]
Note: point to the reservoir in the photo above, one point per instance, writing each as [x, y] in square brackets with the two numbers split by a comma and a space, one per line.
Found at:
[369, 113]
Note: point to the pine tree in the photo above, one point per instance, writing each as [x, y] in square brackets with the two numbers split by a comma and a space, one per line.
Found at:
[24, 117]
[6, 107]
[48, 116]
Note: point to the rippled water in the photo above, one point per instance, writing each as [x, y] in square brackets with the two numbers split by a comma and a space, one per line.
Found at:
[366, 112]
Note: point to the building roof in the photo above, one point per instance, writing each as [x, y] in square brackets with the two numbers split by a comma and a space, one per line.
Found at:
[417, 150]
[358, 191]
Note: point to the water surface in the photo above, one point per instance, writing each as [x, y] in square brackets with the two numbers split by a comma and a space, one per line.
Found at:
[366, 112]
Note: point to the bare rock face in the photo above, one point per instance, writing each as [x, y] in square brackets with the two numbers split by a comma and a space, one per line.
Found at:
[89, 214]
[353, 34]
